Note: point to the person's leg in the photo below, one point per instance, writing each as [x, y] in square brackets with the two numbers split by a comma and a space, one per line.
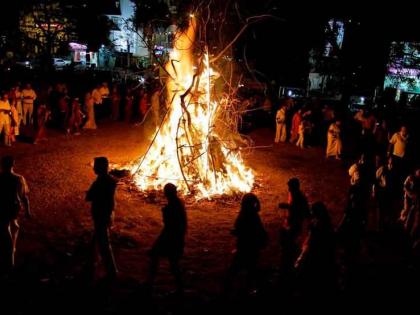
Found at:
[232, 271]
[3, 131]
[176, 271]
[6, 248]
[283, 133]
[14, 228]
[31, 112]
[277, 139]
[20, 112]
[105, 250]
[7, 136]
[24, 114]
[153, 267]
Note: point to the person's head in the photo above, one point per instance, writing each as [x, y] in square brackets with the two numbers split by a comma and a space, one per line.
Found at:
[320, 213]
[293, 184]
[4, 96]
[100, 165]
[105, 84]
[250, 203]
[404, 130]
[7, 163]
[28, 86]
[417, 173]
[338, 122]
[170, 191]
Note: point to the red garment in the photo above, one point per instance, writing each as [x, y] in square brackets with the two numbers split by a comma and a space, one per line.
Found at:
[42, 117]
[75, 119]
[296, 120]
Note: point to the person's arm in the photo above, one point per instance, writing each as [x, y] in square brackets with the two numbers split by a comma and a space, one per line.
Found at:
[24, 190]
[89, 194]
[25, 201]
[391, 143]
[305, 247]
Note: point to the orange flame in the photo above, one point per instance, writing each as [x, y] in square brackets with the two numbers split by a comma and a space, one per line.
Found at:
[187, 150]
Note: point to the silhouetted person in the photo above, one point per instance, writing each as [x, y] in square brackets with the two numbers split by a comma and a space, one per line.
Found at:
[101, 195]
[384, 193]
[13, 197]
[353, 224]
[251, 239]
[298, 209]
[316, 263]
[171, 241]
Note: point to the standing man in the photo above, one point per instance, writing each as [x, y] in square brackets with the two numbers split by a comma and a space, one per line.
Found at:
[398, 149]
[5, 119]
[171, 241]
[101, 195]
[281, 125]
[97, 100]
[14, 196]
[29, 96]
[298, 208]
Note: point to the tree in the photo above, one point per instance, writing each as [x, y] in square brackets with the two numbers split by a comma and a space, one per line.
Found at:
[49, 25]
[404, 65]
[151, 16]
[46, 27]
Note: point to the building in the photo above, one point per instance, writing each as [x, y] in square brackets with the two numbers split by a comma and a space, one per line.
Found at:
[123, 36]
[403, 70]
[130, 42]
[324, 75]
[46, 28]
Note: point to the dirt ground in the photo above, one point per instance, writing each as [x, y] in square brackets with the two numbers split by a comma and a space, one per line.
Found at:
[53, 246]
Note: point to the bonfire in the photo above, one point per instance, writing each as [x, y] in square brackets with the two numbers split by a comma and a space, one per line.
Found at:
[196, 146]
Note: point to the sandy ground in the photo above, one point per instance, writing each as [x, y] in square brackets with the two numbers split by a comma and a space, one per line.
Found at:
[53, 246]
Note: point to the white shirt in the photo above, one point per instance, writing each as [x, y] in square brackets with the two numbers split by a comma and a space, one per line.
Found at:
[4, 115]
[28, 96]
[97, 98]
[400, 143]
[4, 105]
[104, 91]
[281, 116]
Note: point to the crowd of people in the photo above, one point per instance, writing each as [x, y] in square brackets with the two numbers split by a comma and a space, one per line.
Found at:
[29, 112]
[384, 181]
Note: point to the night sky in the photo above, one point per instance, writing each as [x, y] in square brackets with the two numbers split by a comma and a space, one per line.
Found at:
[280, 48]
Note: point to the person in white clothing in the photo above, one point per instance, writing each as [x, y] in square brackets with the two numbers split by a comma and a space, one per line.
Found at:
[5, 119]
[29, 96]
[97, 97]
[90, 112]
[281, 125]
[398, 143]
[398, 150]
[334, 143]
[16, 98]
